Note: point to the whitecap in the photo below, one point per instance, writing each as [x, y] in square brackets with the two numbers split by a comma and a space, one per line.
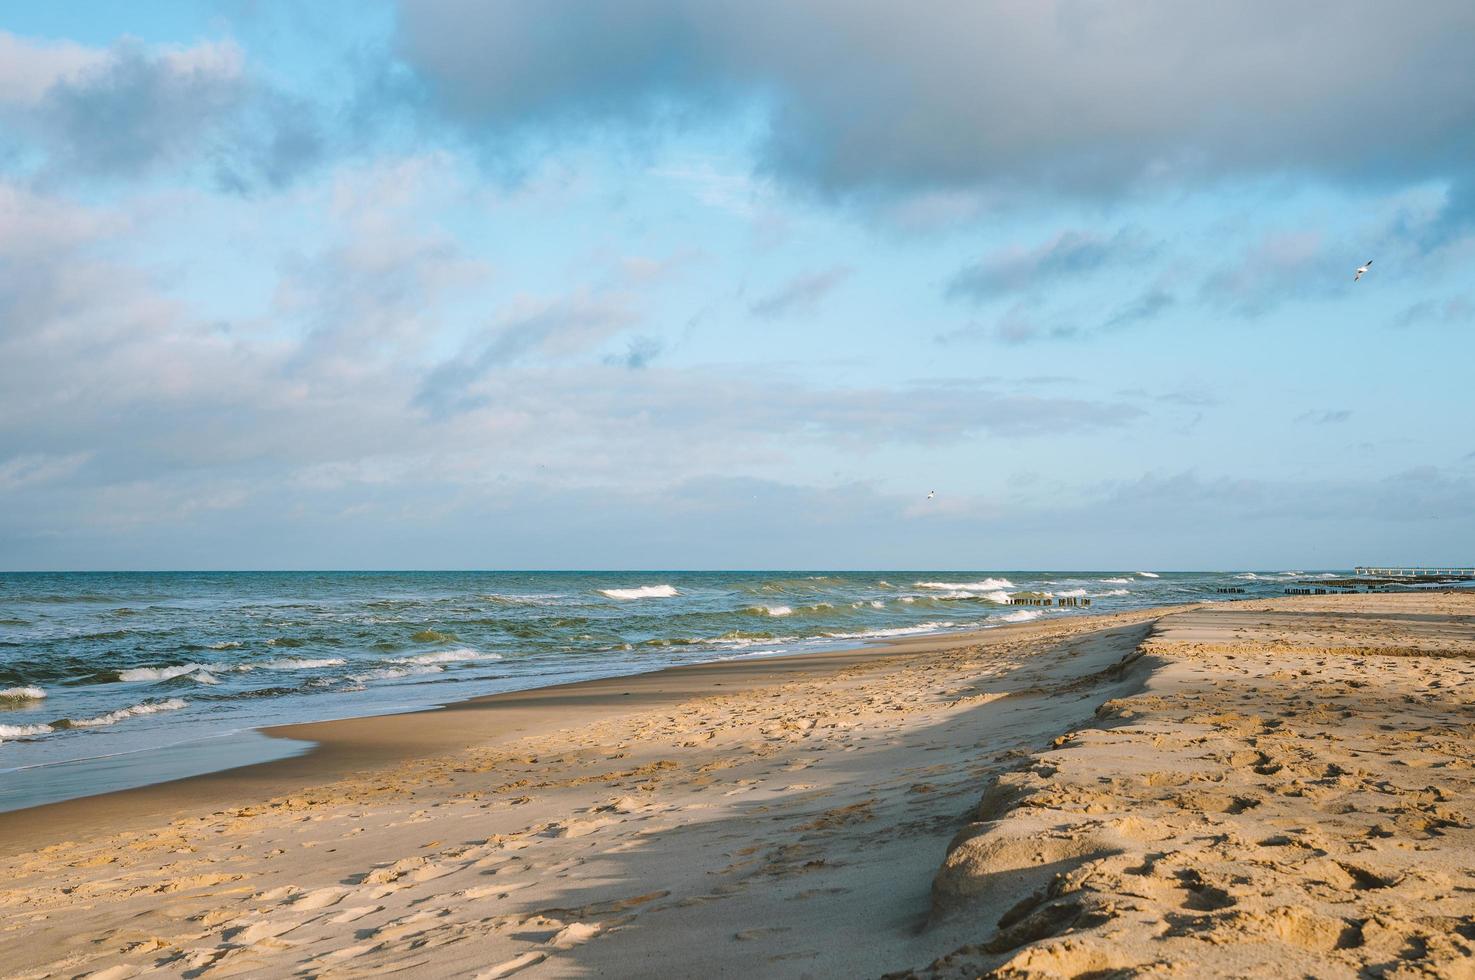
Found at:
[296, 663]
[22, 694]
[1111, 592]
[461, 655]
[390, 673]
[1149, 574]
[894, 631]
[122, 714]
[641, 592]
[226, 645]
[1022, 616]
[159, 673]
[986, 585]
[23, 731]
[774, 610]
[1116, 581]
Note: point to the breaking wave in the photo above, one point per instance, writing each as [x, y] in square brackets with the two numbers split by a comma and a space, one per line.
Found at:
[23, 731]
[462, 655]
[987, 585]
[22, 694]
[641, 592]
[123, 714]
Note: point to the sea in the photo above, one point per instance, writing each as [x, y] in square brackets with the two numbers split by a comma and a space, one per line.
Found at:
[113, 680]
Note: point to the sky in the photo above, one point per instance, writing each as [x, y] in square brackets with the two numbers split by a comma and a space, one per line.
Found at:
[682, 284]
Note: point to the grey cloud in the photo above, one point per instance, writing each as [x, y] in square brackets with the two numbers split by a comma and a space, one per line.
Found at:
[1456, 309]
[1069, 255]
[560, 327]
[1331, 416]
[1280, 267]
[132, 109]
[1084, 97]
[1145, 307]
[800, 294]
[1022, 323]
[639, 352]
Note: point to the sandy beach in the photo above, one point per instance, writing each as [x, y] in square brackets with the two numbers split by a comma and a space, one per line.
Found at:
[1262, 788]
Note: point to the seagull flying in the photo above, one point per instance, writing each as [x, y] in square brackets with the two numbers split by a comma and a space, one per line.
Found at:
[931, 494]
[1362, 270]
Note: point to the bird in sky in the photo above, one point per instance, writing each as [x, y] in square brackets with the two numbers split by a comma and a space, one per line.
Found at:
[1362, 270]
[931, 494]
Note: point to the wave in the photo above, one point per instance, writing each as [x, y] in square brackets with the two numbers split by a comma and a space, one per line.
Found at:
[526, 599]
[462, 655]
[893, 631]
[987, 585]
[23, 731]
[134, 674]
[774, 610]
[296, 663]
[391, 673]
[1116, 581]
[1111, 592]
[123, 714]
[641, 592]
[22, 694]
[1022, 616]
[226, 645]
[1149, 574]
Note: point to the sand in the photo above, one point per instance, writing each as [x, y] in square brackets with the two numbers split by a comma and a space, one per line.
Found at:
[1243, 789]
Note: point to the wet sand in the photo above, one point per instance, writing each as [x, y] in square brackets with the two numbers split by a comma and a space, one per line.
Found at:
[1237, 789]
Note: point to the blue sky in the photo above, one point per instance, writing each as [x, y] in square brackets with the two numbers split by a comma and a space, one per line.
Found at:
[678, 284]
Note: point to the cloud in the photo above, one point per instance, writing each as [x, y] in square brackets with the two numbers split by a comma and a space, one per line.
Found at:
[1084, 98]
[1334, 416]
[1279, 267]
[1070, 255]
[133, 109]
[1145, 307]
[1456, 309]
[1022, 323]
[22, 471]
[639, 352]
[548, 327]
[800, 294]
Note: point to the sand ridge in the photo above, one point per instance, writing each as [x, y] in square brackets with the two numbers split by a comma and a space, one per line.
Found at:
[1288, 796]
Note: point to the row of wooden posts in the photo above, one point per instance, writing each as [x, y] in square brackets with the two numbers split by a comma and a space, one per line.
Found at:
[1293, 591]
[1038, 600]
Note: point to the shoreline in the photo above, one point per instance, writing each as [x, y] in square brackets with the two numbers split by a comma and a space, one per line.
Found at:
[1215, 789]
[341, 746]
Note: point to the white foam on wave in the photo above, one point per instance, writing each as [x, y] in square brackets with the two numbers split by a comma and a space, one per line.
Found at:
[460, 655]
[1116, 581]
[641, 592]
[893, 631]
[1022, 616]
[134, 674]
[987, 585]
[391, 673]
[22, 694]
[23, 731]
[123, 714]
[1070, 593]
[1149, 574]
[226, 645]
[775, 610]
[296, 663]
[1109, 592]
